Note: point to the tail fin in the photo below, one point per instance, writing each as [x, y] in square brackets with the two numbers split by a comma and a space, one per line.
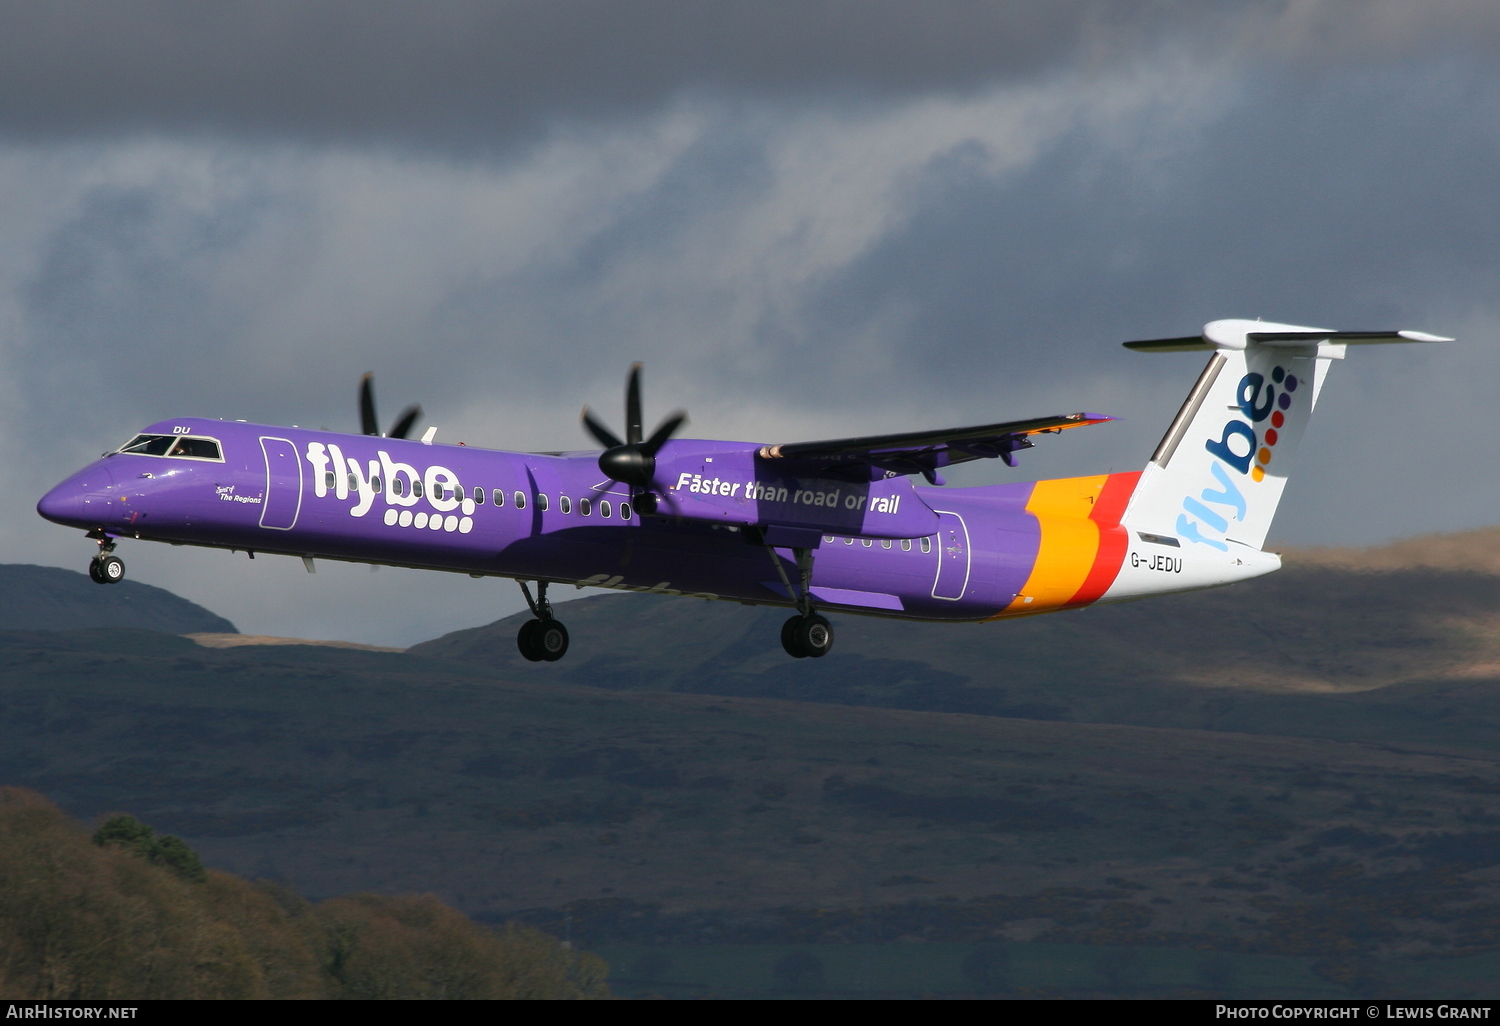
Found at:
[1218, 474]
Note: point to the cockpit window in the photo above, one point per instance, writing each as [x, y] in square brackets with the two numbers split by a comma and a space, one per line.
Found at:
[179, 446]
[149, 445]
[196, 448]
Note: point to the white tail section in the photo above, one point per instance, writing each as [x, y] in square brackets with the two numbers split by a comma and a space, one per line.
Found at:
[1216, 479]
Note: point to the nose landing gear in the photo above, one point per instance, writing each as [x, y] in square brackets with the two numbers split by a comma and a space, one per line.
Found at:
[106, 567]
[544, 638]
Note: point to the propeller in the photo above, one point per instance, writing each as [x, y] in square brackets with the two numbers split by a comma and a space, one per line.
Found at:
[633, 461]
[367, 422]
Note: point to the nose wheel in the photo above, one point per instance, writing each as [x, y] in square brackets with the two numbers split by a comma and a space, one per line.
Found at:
[543, 639]
[106, 567]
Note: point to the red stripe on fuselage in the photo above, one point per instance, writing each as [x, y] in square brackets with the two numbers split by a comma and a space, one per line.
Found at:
[1114, 540]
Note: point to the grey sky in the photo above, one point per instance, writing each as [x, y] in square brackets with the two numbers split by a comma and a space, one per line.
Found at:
[806, 218]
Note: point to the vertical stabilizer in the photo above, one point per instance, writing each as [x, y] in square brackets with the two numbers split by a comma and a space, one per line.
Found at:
[1217, 477]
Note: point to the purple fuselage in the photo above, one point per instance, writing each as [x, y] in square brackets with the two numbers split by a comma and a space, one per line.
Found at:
[883, 546]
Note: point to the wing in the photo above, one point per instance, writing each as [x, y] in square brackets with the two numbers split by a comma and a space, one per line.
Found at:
[923, 452]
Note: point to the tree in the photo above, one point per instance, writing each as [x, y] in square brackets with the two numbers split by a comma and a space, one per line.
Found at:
[130, 834]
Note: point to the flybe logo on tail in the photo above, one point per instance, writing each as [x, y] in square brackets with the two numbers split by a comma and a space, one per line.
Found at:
[1243, 446]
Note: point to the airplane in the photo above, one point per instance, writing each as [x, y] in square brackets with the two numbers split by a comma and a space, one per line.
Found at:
[841, 525]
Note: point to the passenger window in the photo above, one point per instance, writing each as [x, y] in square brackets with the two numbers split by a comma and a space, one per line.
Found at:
[416, 488]
[499, 496]
[478, 496]
[328, 479]
[624, 511]
[866, 542]
[520, 500]
[196, 448]
[149, 445]
[566, 504]
[353, 483]
[541, 501]
[375, 484]
[398, 486]
[885, 543]
[583, 506]
[604, 510]
[848, 541]
[828, 538]
[905, 544]
[926, 544]
[438, 493]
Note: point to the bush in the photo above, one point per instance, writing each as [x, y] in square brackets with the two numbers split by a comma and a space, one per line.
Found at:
[130, 834]
[136, 916]
[414, 946]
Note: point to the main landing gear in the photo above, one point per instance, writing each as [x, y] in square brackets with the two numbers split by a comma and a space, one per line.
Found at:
[542, 639]
[806, 635]
[106, 567]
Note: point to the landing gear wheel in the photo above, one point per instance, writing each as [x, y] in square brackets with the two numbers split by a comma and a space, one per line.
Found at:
[789, 638]
[807, 637]
[542, 640]
[107, 569]
[526, 641]
[551, 639]
[814, 636]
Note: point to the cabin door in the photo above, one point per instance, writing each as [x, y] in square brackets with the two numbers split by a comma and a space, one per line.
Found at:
[283, 499]
[953, 558]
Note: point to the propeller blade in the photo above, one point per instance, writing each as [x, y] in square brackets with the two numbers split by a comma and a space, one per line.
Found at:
[367, 422]
[665, 430]
[603, 435]
[633, 406]
[403, 424]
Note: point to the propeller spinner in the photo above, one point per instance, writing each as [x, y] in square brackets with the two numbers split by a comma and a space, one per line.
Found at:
[367, 422]
[633, 461]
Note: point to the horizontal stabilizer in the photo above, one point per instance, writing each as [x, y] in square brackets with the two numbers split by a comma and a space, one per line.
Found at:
[1350, 338]
[1170, 345]
[925, 451]
[1237, 334]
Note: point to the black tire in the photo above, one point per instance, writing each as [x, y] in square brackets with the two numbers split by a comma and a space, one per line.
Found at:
[789, 638]
[526, 641]
[111, 569]
[94, 573]
[551, 640]
[814, 636]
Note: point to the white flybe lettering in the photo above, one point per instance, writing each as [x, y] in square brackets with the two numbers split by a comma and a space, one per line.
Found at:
[399, 479]
[698, 484]
[756, 491]
[442, 488]
[364, 484]
[340, 478]
[401, 483]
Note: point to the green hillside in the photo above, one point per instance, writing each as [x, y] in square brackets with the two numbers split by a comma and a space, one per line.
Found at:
[1289, 787]
[46, 598]
[1328, 647]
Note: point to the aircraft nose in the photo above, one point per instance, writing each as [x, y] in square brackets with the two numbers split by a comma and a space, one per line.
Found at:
[79, 499]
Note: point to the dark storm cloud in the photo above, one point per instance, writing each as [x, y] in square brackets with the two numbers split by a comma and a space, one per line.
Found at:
[360, 68]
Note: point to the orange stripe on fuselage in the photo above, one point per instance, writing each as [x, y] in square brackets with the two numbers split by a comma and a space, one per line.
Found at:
[1114, 540]
[1082, 543]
